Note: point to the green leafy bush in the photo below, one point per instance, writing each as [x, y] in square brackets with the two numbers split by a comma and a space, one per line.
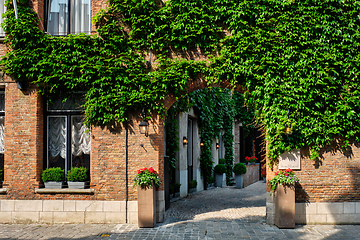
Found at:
[192, 184]
[1, 174]
[55, 174]
[77, 174]
[220, 169]
[239, 168]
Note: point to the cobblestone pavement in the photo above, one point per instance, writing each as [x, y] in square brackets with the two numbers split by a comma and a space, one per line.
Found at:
[225, 213]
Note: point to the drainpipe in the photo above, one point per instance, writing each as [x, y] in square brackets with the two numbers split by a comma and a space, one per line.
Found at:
[15, 8]
[126, 170]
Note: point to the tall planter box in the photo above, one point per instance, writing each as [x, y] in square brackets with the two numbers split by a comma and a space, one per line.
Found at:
[146, 207]
[219, 180]
[239, 181]
[285, 206]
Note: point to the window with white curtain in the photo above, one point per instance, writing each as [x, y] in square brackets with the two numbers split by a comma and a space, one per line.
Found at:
[68, 139]
[68, 17]
[2, 11]
[2, 130]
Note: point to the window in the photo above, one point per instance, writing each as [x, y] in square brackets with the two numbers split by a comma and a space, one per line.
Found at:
[2, 10]
[2, 129]
[68, 17]
[68, 139]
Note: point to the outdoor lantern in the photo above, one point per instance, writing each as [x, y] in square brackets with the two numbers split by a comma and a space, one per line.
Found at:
[201, 144]
[185, 141]
[144, 124]
[143, 127]
[217, 145]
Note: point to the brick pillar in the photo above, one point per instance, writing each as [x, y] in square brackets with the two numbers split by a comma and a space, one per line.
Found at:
[23, 157]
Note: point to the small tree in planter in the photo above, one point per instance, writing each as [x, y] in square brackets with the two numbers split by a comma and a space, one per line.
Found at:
[219, 170]
[77, 177]
[53, 177]
[239, 169]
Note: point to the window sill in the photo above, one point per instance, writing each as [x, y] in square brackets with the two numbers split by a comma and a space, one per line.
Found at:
[64, 191]
[3, 190]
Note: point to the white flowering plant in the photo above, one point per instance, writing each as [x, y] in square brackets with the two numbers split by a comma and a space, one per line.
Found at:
[286, 177]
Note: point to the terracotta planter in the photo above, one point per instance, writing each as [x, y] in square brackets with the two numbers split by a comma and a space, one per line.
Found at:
[285, 206]
[146, 207]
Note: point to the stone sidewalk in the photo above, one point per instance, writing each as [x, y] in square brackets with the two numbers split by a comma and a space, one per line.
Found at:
[226, 213]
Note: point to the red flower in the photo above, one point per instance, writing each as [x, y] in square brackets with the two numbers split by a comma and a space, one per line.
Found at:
[151, 170]
[276, 173]
[286, 174]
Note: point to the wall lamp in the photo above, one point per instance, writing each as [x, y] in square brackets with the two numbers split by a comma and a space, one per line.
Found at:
[185, 141]
[217, 145]
[201, 144]
[144, 124]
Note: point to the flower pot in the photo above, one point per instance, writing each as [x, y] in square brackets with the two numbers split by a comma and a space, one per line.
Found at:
[55, 185]
[76, 185]
[239, 181]
[146, 207]
[219, 180]
[264, 179]
[285, 206]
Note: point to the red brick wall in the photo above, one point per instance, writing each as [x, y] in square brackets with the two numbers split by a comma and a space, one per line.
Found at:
[335, 178]
[23, 155]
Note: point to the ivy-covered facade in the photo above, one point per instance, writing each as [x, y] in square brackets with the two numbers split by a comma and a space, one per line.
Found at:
[297, 63]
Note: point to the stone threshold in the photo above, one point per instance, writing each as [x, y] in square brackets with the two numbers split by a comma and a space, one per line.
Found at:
[3, 190]
[64, 191]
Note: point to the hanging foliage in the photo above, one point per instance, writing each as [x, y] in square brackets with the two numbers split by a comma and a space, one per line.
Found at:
[298, 60]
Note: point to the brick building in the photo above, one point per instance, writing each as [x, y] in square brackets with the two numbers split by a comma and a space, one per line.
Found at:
[329, 193]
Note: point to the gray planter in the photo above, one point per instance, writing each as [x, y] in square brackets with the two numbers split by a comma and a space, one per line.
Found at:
[77, 185]
[219, 180]
[239, 181]
[53, 184]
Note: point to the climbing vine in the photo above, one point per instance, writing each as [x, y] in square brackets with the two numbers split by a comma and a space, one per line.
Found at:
[297, 60]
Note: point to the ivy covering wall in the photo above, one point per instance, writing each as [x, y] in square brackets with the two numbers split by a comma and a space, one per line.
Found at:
[296, 57]
[216, 110]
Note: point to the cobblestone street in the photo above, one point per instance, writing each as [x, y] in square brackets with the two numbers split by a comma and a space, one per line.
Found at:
[225, 213]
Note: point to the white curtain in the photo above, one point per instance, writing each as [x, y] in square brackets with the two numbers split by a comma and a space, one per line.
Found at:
[80, 137]
[57, 136]
[58, 17]
[2, 135]
[80, 16]
[2, 10]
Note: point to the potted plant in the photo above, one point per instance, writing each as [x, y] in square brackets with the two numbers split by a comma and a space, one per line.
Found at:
[77, 177]
[219, 170]
[192, 186]
[239, 169]
[53, 177]
[251, 160]
[146, 181]
[283, 184]
[1, 176]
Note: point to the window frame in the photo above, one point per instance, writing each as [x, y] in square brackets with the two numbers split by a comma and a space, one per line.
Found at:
[68, 114]
[69, 25]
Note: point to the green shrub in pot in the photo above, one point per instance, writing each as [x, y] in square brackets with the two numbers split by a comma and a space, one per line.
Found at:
[77, 174]
[54, 174]
[220, 169]
[239, 168]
